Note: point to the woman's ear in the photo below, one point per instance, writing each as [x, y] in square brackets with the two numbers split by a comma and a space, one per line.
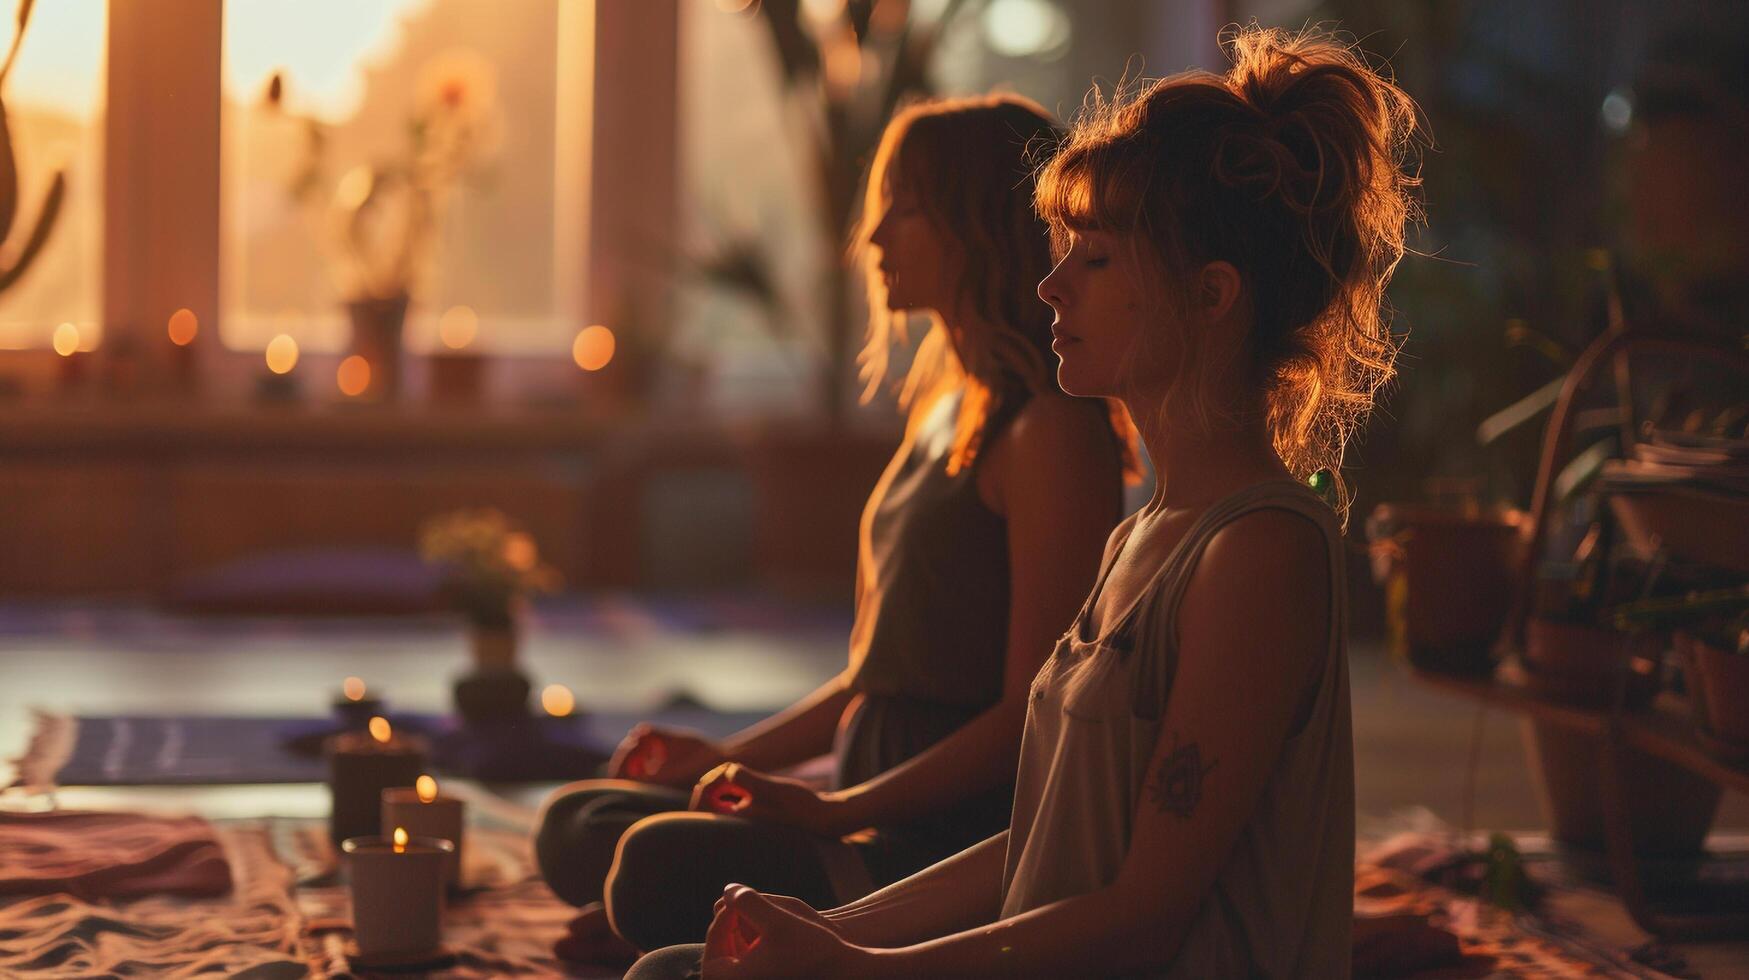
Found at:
[1218, 290]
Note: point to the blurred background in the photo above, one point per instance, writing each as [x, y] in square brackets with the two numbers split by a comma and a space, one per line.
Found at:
[288, 281]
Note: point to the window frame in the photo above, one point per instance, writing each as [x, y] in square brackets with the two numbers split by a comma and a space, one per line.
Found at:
[162, 152]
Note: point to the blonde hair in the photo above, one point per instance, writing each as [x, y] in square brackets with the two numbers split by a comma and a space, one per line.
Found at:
[971, 163]
[1291, 167]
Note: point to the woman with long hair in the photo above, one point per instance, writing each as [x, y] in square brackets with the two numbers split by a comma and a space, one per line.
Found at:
[974, 547]
[1185, 799]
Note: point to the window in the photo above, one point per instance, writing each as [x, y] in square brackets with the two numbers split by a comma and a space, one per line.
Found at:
[356, 77]
[54, 108]
[746, 194]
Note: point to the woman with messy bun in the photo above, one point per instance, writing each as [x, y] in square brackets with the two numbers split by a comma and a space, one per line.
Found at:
[1185, 800]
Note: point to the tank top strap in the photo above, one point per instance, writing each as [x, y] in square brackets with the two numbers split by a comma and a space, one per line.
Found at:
[1156, 612]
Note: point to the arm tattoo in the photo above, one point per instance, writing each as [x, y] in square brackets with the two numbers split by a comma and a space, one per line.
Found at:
[1177, 784]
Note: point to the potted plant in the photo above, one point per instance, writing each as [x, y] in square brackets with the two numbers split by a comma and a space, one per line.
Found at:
[1711, 639]
[380, 221]
[490, 567]
[1450, 574]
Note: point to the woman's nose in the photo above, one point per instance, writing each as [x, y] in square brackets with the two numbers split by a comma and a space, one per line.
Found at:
[1050, 288]
[878, 237]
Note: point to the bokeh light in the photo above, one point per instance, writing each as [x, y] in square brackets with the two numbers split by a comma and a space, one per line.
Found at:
[353, 376]
[593, 348]
[353, 688]
[457, 327]
[183, 326]
[426, 787]
[379, 729]
[520, 552]
[1026, 28]
[557, 700]
[66, 339]
[282, 354]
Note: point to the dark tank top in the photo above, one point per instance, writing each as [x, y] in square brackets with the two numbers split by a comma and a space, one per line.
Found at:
[930, 637]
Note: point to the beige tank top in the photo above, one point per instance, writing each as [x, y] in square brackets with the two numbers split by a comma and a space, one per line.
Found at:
[1282, 906]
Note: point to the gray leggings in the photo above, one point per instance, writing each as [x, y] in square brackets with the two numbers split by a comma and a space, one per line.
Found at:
[661, 882]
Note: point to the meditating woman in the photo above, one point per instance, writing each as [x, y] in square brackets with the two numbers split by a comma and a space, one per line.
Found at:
[975, 546]
[1185, 803]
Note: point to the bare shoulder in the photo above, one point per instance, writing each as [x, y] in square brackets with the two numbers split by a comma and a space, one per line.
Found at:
[1261, 586]
[1058, 451]
[1057, 427]
[1266, 544]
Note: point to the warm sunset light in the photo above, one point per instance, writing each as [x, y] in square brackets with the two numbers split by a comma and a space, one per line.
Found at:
[593, 348]
[520, 552]
[353, 688]
[457, 327]
[557, 700]
[379, 728]
[400, 839]
[183, 326]
[426, 787]
[66, 339]
[353, 376]
[282, 354]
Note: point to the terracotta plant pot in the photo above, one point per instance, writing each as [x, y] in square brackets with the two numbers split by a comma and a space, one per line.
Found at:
[1577, 662]
[494, 690]
[484, 697]
[1710, 528]
[376, 337]
[1670, 809]
[1449, 582]
[1718, 689]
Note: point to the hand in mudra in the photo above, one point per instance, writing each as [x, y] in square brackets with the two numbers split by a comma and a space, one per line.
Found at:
[734, 790]
[664, 756]
[755, 935]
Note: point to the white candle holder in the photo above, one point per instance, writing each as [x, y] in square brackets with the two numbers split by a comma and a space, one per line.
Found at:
[397, 893]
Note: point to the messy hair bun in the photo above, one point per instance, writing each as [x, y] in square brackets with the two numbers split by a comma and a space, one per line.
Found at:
[1291, 167]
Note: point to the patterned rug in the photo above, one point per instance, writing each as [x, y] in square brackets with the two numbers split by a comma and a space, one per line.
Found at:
[287, 916]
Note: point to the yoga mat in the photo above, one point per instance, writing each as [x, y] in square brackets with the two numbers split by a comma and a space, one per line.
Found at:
[137, 750]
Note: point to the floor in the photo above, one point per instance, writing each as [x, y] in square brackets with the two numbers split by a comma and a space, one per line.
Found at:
[1413, 745]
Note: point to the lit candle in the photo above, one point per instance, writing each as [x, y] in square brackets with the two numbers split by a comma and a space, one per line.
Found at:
[72, 367]
[426, 814]
[279, 384]
[457, 370]
[397, 892]
[182, 328]
[360, 766]
[354, 708]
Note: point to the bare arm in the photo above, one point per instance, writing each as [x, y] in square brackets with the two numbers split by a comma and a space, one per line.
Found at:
[1251, 612]
[797, 733]
[1058, 483]
[960, 892]
[1254, 634]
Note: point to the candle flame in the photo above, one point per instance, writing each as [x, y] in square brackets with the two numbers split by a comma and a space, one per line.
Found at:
[379, 728]
[282, 354]
[353, 687]
[426, 787]
[66, 339]
[400, 839]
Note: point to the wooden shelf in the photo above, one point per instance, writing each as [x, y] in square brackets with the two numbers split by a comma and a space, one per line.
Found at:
[1662, 729]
